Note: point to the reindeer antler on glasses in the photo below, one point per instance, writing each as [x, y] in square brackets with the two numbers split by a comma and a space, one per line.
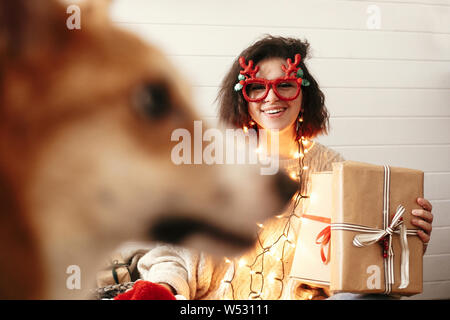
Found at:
[292, 67]
[248, 68]
[248, 72]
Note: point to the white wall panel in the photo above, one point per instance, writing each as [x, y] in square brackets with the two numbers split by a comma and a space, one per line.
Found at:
[428, 158]
[437, 186]
[387, 131]
[286, 13]
[214, 40]
[437, 263]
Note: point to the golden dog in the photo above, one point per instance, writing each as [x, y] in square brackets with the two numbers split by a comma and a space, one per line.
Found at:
[85, 123]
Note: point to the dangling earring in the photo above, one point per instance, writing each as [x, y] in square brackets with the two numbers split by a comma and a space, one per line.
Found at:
[250, 125]
[298, 127]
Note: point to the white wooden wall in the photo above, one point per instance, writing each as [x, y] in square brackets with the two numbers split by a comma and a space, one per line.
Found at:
[384, 66]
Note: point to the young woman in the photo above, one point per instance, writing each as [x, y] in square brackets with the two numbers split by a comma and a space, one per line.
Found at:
[275, 92]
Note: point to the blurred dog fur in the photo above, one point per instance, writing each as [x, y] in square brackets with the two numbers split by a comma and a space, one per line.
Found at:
[85, 123]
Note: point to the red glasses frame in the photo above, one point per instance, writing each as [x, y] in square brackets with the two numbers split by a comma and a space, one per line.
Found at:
[248, 76]
[271, 84]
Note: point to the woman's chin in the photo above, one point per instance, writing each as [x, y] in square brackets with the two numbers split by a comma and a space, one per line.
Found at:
[278, 124]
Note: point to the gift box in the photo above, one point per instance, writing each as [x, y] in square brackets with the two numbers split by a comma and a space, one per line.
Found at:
[312, 251]
[374, 247]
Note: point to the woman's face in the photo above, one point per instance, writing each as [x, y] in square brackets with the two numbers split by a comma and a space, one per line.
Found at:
[272, 112]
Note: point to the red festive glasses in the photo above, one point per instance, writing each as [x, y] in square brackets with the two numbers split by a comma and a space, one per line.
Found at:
[286, 88]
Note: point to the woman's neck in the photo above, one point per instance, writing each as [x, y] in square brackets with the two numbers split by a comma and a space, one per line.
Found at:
[287, 145]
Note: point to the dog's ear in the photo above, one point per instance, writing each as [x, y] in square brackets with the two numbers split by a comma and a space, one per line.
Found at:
[30, 27]
[37, 28]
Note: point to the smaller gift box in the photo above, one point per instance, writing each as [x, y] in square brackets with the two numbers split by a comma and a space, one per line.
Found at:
[375, 248]
[312, 253]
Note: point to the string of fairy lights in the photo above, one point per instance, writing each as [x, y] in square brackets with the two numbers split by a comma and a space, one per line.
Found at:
[255, 291]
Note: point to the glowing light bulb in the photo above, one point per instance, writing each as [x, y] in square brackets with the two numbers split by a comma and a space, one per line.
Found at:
[227, 260]
[305, 168]
[272, 251]
[271, 277]
[242, 262]
[260, 225]
[245, 129]
[298, 155]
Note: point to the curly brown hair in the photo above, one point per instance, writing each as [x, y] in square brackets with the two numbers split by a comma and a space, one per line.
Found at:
[233, 108]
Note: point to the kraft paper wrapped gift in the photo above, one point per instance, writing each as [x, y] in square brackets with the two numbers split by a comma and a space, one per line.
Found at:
[370, 202]
[310, 264]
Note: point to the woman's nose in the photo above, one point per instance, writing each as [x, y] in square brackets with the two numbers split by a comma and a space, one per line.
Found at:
[271, 96]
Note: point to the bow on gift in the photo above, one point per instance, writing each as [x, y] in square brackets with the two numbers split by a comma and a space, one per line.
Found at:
[324, 236]
[372, 236]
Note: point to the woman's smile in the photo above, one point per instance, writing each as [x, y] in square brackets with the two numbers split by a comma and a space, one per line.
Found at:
[274, 111]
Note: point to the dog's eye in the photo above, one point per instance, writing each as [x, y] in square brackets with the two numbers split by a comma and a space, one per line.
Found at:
[152, 101]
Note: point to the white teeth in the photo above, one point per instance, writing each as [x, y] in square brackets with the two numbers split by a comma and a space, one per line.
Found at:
[272, 111]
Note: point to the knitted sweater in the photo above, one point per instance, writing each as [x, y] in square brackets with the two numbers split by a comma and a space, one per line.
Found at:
[197, 275]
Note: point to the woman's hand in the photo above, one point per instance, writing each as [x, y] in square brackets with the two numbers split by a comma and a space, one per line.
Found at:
[423, 218]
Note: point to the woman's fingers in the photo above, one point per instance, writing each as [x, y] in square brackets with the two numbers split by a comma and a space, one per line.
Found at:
[424, 214]
[424, 236]
[424, 203]
[422, 224]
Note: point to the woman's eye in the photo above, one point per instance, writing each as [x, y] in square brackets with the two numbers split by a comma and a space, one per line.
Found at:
[152, 101]
[255, 87]
[285, 85]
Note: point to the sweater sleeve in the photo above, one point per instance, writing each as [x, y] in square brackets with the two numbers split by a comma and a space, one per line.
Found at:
[325, 157]
[187, 271]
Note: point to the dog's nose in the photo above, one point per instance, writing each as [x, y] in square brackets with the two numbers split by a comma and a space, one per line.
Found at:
[285, 186]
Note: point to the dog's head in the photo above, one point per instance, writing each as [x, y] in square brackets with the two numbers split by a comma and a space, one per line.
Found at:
[86, 118]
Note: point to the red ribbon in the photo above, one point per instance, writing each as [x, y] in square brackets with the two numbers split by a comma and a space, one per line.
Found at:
[324, 236]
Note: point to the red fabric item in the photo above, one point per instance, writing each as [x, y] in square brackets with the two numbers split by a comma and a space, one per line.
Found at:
[146, 290]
